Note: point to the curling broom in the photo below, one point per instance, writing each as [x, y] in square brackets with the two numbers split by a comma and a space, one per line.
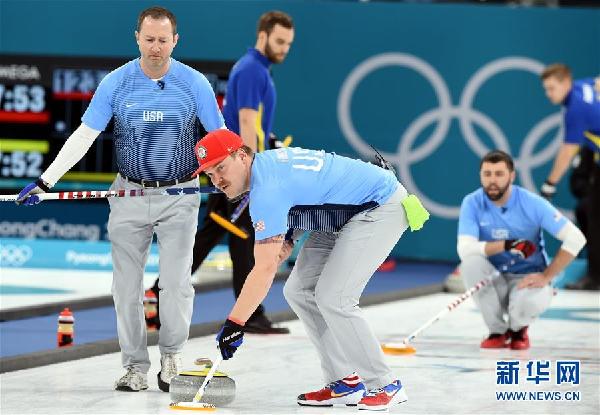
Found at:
[195, 404]
[404, 348]
[100, 194]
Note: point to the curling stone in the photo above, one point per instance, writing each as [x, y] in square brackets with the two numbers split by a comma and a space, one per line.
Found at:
[219, 392]
[203, 361]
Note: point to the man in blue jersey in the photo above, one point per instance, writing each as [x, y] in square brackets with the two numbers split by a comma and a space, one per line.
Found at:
[355, 213]
[159, 106]
[248, 111]
[500, 236]
[581, 128]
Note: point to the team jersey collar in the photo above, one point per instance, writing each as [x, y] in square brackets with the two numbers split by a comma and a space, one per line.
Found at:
[509, 204]
[254, 179]
[260, 57]
[138, 66]
[567, 99]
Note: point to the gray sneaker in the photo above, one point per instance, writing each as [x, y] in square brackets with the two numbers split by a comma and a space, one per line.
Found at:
[132, 381]
[170, 366]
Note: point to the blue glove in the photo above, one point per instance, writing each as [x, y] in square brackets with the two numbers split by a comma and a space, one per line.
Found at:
[28, 197]
[230, 337]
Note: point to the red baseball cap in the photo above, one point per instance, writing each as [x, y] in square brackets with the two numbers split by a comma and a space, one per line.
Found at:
[215, 147]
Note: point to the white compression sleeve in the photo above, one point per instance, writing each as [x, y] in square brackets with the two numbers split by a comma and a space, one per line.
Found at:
[469, 245]
[71, 152]
[572, 238]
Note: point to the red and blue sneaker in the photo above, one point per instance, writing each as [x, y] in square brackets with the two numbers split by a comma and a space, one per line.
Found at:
[383, 398]
[347, 391]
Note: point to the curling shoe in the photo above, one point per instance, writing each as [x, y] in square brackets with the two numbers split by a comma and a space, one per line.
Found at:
[347, 391]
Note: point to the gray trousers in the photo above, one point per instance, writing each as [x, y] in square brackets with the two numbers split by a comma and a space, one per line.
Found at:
[331, 272]
[522, 306]
[131, 225]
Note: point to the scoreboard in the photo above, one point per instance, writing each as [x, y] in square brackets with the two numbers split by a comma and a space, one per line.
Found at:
[42, 99]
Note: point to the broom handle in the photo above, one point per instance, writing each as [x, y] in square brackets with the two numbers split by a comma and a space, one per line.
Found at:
[208, 378]
[459, 300]
[99, 194]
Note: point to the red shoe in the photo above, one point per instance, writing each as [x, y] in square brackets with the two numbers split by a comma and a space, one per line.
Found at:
[496, 341]
[383, 398]
[347, 391]
[520, 340]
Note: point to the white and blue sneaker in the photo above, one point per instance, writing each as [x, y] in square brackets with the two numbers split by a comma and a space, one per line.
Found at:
[347, 391]
[383, 398]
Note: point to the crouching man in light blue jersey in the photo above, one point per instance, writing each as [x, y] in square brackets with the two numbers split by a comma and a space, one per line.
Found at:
[160, 107]
[355, 213]
[500, 233]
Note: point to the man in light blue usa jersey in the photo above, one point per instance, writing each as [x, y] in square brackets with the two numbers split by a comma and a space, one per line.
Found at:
[355, 213]
[500, 233]
[160, 107]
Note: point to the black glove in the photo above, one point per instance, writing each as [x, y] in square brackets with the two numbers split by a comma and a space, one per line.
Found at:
[28, 197]
[230, 337]
[275, 142]
[520, 247]
[548, 190]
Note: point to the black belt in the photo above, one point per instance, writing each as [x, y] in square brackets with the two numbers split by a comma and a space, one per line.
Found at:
[158, 183]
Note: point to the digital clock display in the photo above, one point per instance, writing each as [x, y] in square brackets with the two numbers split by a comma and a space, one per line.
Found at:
[42, 99]
[22, 98]
[21, 164]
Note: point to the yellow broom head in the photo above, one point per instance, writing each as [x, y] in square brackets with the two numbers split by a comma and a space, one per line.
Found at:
[193, 406]
[228, 225]
[397, 348]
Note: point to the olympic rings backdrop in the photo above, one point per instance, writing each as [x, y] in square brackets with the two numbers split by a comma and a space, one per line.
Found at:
[433, 87]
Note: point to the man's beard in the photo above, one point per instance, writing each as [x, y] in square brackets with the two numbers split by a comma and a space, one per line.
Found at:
[497, 196]
[272, 56]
